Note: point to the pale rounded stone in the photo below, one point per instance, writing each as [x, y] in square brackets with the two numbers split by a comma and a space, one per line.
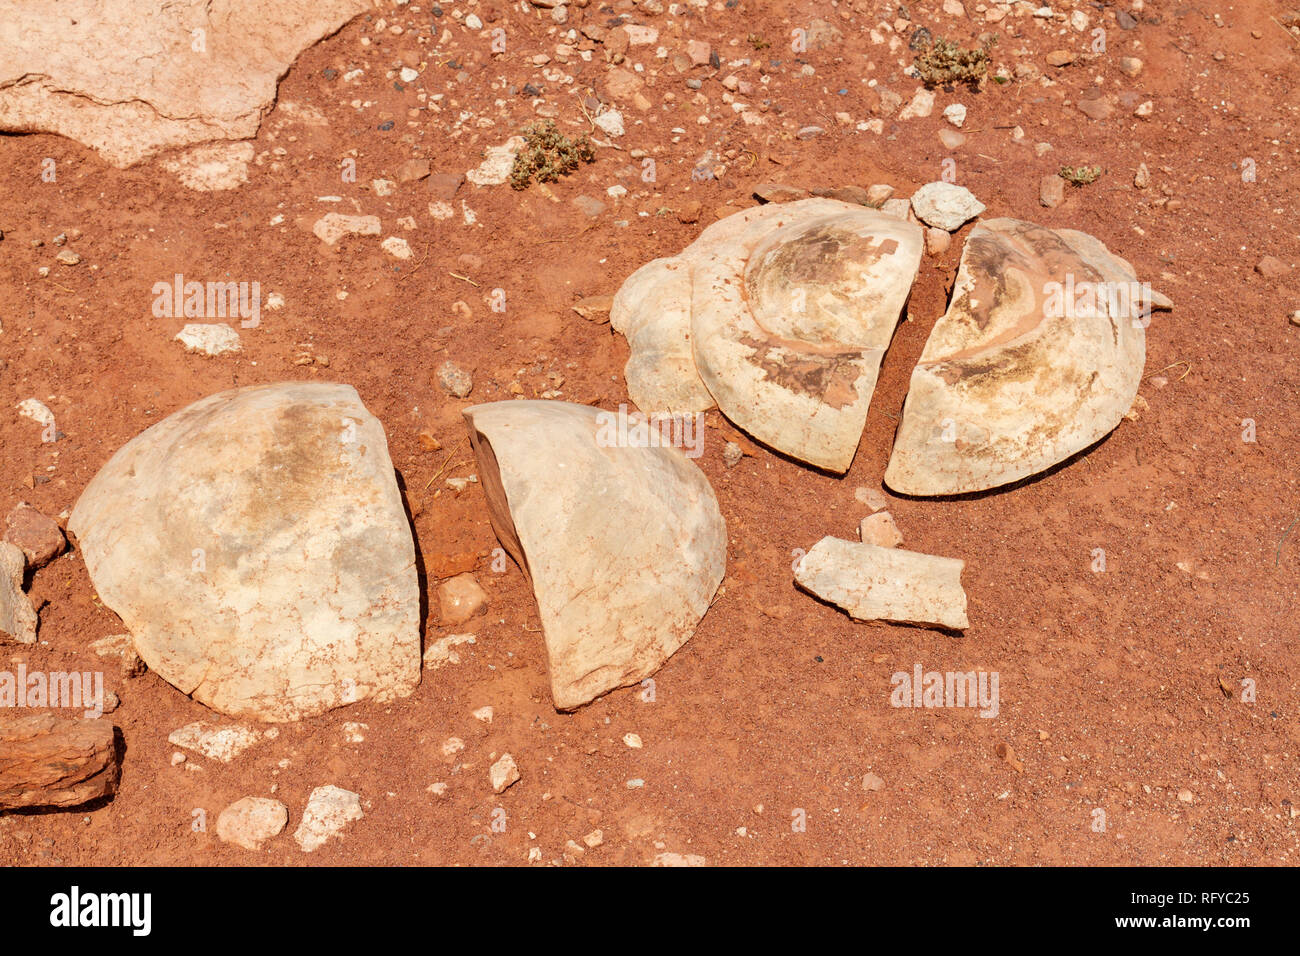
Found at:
[256, 546]
[333, 226]
[132, 79]
[945, 205]
[503, 774]
[252, 821]
[1025, 368]
[329, 810]
[460, 598]
[779, 313]
[623, 543]
[213, 339]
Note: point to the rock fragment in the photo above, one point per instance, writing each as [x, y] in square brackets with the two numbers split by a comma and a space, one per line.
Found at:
[39, 536]
[873, 583]
[221, 742]
[262, 524]
[250, 822]
[18, 620]
[503, 774]
[333, 226]
[211, 339]
[945, 205]
[616, 597]
[328, 812]
[52, 761]
[460, 598]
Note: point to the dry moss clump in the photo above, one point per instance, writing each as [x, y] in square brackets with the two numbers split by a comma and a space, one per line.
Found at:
[548, 154]
[1080, 175]
[944, 63]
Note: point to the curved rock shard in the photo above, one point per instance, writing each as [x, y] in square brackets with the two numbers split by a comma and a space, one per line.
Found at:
[256, 546]
[790, 309]
[1039, 355]
[624, 544]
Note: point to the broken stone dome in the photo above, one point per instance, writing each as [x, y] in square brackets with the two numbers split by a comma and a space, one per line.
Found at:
[256, 546]
[1038, 356]
[780, 315]
[622, 541]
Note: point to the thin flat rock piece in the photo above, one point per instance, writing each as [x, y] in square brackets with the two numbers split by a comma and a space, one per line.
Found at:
[873, 583]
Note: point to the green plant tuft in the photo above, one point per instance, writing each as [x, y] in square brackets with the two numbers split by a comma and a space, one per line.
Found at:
[548, 154]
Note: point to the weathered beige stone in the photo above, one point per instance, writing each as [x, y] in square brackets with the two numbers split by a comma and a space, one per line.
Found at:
[791, 308]
[256, 546]
[624, 546]
[873, 583]
[1039, 355]
[250, 822]
[18, 619]
[130, 79]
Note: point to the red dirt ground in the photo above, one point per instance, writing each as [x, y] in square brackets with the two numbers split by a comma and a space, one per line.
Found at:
[1111, 683]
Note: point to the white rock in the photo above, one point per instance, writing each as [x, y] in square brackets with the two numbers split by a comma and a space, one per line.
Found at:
[955, 114]
[256, 546]
[397, 247]
[473, 22]
[383, 187]
[329, 809]
[945, 205]
[616, 597]
[484, 714]
[18, 620]
[37, 411]
[632, 740]
[885, 584]
[500, 160]
[641, 35]
[409, 75]
[443, 651]
[503, 774]
[252, 821]
[333, 226]
[212, 167]
[611, 121]
[921, 106]
[209, 338]
[221, 742]
[1029, 365]
[781, 314]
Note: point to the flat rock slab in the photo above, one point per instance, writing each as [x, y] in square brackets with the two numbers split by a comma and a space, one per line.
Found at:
[52, 761]
[1039, 355]
[781, 315]
[131, 79]
[873, 583]
[623, 543]
[256, 546]
[209, 338]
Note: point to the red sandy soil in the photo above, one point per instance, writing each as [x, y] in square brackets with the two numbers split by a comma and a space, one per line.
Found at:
[1111, 684]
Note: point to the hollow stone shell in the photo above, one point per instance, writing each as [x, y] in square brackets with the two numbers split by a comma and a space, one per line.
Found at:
[786, 310]
[1039, 355]
[256, 546]
[624, 544]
